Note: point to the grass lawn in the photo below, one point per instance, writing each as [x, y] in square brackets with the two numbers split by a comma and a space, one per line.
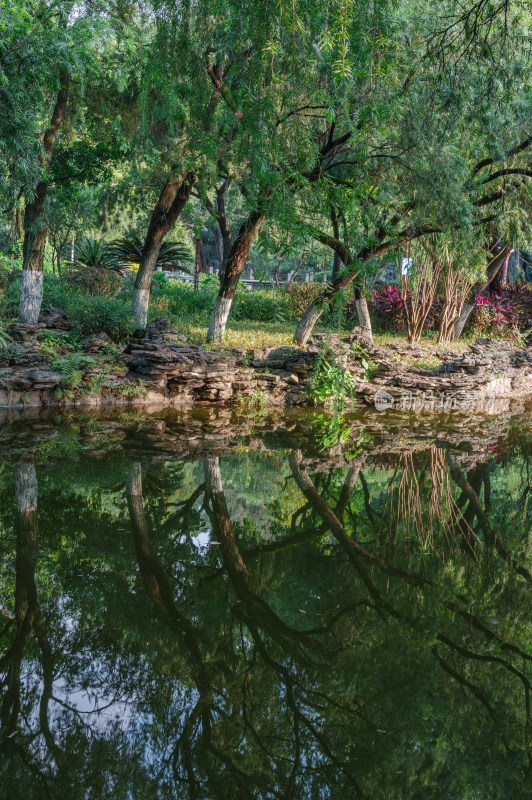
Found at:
[244, 333]
[250, 334]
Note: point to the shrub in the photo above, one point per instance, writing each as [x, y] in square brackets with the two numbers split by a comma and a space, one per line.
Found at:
[95, 314]
[94, 269]
[8, 278]
[92, 280]
[94, 253]
[497, 314]
[521, 296]
[262, 305]
[179, 299]
[91, 314]
[302, 295]
[388, 307]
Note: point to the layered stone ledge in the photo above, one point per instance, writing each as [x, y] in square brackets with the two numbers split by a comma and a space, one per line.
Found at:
[160, 367]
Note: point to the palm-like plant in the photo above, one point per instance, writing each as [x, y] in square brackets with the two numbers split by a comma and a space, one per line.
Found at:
[95, 253]
[171, 254]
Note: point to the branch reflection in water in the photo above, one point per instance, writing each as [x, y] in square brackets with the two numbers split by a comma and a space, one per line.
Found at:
[266, 624]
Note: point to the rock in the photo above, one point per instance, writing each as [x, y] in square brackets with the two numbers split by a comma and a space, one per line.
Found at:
[360, 336]
[158, 326]
[43, 378]
[96, 342]
[55, 318]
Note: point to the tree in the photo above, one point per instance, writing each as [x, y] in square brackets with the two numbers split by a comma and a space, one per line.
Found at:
[424, 167]
[34, 226]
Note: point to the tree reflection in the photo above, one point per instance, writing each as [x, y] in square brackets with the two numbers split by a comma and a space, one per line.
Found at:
[376, 645]
[28, 620]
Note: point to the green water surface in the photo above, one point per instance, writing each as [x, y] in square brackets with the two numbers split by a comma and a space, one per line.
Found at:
[204, 607]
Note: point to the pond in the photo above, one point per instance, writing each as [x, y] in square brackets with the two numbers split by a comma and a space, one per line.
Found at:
[203, 604]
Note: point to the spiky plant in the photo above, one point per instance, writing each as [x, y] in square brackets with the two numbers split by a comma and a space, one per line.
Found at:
[171, 254]
[95, 253]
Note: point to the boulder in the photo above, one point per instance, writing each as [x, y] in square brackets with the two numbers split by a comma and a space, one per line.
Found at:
[96, 342]
[55, 318]
[360, 336]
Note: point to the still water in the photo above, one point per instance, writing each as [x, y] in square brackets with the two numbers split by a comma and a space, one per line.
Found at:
[202, 605]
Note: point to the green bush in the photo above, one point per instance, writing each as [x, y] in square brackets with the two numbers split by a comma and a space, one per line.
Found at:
[175, 299]
[94, 314]
[9, 286]
[91, 314]
[179, 299]
[262, 305]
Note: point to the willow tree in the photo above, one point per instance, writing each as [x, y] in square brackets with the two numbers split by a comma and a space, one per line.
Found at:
[204, 66]
[31, 289]
[47, 54]
[294, 126]
[427, 154]
[236, 93]
[35, 81]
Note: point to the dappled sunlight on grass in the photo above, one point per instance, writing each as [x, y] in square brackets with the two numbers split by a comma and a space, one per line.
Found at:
[253, 334]
[245, 334]
[427, 341]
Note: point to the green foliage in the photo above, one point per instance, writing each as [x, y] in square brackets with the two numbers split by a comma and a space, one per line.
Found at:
[37, 43]
[179, 299]
[95, 253]
[73, 366]
[369, 367]
[332, 429]
[172, 254]
[65, 446]
[4, 338]
[330, 380]
[91, 314]
[131, 390]
[94, 269]
[255, 402]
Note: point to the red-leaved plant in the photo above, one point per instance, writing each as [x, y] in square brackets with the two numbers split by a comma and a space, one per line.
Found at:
[388, 307]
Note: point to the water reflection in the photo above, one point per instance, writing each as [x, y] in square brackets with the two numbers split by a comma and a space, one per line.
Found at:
[267, 623]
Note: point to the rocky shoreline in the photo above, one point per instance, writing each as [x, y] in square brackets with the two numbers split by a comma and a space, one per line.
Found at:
[157, 434]
[159, 367]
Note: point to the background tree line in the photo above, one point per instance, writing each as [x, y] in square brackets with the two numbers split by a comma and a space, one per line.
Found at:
[349, 133]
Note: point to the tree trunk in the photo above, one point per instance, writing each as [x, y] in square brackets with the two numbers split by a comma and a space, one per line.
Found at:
[364, 318]
[31, 287]
[276, 273]
[306, 324]
[493, 269]
[219, 317]
[337, 261]
[460, 324]
[504, 278]
[203, 262]
[233, 268]
[34, 225]
[296, 271]
[174, 196]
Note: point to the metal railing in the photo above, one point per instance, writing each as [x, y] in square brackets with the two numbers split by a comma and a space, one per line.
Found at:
[255, 283]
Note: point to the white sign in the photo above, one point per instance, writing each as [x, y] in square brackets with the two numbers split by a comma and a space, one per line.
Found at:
[406, 264]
